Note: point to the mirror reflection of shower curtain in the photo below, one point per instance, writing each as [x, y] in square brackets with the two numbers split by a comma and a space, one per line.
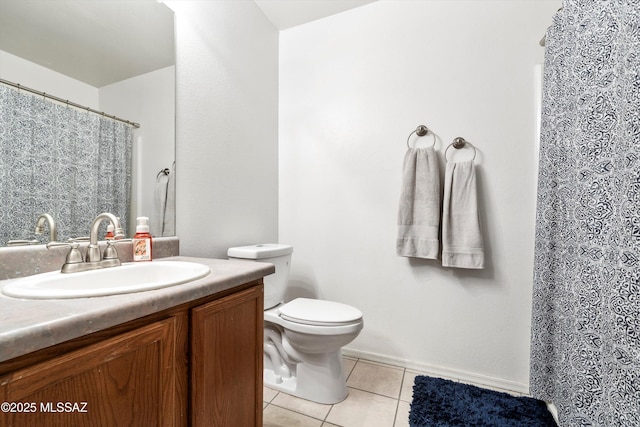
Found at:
[60, 160]
[162, 222]
[585, 341]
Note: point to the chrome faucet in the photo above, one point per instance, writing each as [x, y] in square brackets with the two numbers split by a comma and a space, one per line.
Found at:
[53, 230]
[93, 252]
[94, 259]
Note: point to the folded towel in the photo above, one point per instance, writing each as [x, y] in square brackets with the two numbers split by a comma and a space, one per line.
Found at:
[462, 245]
[419, 211]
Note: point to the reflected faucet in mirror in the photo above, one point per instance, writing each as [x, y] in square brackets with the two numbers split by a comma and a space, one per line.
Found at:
[42, 219]
[53, 229]
[94, 259]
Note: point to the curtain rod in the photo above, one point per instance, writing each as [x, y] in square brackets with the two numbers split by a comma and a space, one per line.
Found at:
[67, 102]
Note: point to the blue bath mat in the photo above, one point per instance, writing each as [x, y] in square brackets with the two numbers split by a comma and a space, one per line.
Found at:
[443, 403]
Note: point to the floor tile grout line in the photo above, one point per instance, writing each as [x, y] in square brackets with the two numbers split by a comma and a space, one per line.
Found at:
[351, 371]
[404, 374]
[395, 416]
[384, 365]
[326, 417]
[300, 413]
[325, 421]
[372, 392]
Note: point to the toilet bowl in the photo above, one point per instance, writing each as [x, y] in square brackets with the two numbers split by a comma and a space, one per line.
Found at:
[303, 338]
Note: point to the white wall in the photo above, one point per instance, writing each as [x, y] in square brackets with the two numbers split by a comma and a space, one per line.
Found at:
[148, 99]
[352, 88]
[227, 126]
[42, 79]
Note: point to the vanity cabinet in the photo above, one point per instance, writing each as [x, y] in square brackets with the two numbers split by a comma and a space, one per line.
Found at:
[226, 362]
[127, 380]
[199, 364]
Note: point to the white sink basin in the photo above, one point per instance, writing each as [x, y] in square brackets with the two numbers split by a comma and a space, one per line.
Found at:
[129, 277]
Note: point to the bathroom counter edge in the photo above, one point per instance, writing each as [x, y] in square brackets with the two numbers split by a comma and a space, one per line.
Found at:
[31, 325]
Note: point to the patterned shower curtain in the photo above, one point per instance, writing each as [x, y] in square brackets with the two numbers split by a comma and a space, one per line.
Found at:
[57, 159]
[585, 350]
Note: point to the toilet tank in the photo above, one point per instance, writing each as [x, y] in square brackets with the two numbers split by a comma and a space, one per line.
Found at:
[275, 285]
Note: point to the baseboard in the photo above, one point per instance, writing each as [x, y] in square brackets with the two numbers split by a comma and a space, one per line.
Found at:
[479, 380]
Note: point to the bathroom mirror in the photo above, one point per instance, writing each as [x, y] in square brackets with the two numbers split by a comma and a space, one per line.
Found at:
[109, 46]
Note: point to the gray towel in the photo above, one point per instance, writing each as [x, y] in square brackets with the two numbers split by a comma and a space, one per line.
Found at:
[462, 244]
[419, 211]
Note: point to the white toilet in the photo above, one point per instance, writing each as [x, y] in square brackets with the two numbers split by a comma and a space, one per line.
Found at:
[302, 338]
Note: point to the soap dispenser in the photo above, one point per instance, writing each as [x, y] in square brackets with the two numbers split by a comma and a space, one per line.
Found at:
[109, 234]
[142, 241]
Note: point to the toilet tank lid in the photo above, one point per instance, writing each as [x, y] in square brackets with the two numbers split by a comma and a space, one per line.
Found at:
[261, 251]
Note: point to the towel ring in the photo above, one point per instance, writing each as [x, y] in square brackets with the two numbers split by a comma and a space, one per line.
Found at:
[459, 143]
[165, 171]
[421, 130]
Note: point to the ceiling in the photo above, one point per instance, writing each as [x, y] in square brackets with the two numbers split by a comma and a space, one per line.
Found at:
[100, 43]
[290, 13]
[107, 41]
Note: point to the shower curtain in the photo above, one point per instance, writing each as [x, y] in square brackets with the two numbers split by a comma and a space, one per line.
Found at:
[585, 350]
[56, 159]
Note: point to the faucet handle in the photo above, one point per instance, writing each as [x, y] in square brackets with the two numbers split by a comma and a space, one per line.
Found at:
[56, 244]
[119, 233]
[110, 255]
[74, 255]
[110, 251]
[21, 242]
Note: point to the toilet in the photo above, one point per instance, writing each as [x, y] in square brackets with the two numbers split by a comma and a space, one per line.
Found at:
[302, 338]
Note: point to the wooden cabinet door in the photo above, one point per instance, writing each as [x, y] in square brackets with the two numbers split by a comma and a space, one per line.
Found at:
[127, 380]
[226, 361]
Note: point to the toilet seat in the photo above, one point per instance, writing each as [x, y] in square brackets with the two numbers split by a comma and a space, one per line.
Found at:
[319, 312]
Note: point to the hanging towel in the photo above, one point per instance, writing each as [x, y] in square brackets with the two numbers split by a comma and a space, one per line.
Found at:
[419, 211]
[160, 202]
[162, 223]
[169, 224]
[462, 245]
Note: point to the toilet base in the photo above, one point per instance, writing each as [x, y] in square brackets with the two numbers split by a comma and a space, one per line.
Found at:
[320, 381]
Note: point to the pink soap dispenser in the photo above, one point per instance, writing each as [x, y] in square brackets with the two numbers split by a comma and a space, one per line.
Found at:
[142, 241]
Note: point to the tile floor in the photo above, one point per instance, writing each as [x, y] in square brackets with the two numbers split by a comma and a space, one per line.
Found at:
[379, 396]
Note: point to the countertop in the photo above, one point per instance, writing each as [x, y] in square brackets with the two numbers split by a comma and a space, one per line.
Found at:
[30, 325]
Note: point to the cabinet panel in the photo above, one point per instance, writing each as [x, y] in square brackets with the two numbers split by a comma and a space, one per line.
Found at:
[226, 361]
[127, 380]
